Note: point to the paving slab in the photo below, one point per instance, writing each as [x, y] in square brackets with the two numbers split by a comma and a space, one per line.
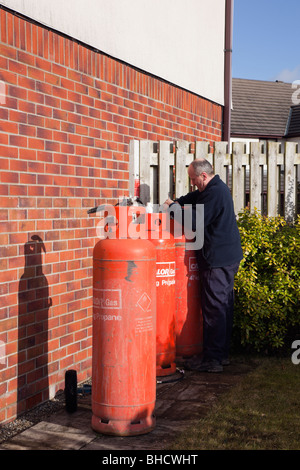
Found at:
[49, 436]
[179, 404]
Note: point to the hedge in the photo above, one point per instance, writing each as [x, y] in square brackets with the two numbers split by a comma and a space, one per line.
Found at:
[267, 293]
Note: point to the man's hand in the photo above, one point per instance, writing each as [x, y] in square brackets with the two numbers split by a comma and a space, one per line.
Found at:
[168, 202]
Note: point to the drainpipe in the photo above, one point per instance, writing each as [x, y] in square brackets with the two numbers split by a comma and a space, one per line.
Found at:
[228, 70]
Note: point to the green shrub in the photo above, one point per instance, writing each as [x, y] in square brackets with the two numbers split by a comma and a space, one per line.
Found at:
[267, 292]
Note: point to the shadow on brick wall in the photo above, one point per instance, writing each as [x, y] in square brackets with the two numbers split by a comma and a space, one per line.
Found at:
[34, 304]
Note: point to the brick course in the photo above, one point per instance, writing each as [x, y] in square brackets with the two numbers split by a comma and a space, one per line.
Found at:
[67, 115]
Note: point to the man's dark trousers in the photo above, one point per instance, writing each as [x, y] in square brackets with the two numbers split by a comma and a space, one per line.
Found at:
[217, 301]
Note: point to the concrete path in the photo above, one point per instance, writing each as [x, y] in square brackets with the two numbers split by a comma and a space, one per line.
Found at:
[178, 405]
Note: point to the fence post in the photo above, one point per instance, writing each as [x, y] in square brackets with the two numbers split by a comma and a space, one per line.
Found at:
[272, 188]
[255, 187]
[134, 171]
[146, 147]
[238, 186]
[181, 163]
[220, 160]
[164, 170]
[202, 151]
[289, 181]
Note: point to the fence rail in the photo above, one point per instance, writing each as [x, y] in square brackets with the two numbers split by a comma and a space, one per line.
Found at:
[267, 178]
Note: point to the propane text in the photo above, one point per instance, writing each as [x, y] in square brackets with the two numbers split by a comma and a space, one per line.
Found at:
[107, 317]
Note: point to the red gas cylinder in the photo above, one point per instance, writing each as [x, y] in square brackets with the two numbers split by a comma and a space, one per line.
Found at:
[163, 241]
[189, 323]
[124, 349]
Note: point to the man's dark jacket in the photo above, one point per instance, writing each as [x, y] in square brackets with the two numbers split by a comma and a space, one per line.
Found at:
[222, 243]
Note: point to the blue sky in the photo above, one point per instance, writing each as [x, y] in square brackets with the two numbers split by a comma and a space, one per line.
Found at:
[266, 40]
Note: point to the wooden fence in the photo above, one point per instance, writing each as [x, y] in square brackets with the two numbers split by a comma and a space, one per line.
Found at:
[267, 178]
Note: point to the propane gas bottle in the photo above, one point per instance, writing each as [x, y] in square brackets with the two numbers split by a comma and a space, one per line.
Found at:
[124, 349]
[189, 322]
[163, 241]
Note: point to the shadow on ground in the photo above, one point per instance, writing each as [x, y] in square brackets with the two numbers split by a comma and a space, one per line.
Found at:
[178, 405]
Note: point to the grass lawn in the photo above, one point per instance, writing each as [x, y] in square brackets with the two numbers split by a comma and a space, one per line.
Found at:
[262, 412]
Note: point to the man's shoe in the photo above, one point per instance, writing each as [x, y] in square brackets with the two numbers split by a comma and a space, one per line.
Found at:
[192, 363]
[204, 366]
[210, 366]
[225, 362]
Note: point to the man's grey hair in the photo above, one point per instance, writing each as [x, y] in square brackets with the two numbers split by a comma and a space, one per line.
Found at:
[201, 165]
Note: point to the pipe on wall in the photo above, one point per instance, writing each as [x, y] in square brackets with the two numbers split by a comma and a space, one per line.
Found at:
[228, 70]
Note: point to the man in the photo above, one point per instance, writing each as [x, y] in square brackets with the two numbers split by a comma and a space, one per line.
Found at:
[218, 261]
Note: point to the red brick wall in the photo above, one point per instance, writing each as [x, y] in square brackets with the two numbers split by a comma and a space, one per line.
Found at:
[67, 115]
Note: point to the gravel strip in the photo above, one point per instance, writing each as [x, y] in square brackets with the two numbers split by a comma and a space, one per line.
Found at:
[37, 414]
[32, 417]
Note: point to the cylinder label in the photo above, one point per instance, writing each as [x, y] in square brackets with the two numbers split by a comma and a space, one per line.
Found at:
[144, 302]
[108, 299]
[165, 273]
[143, 324]
[165, 269]
[193, 266]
